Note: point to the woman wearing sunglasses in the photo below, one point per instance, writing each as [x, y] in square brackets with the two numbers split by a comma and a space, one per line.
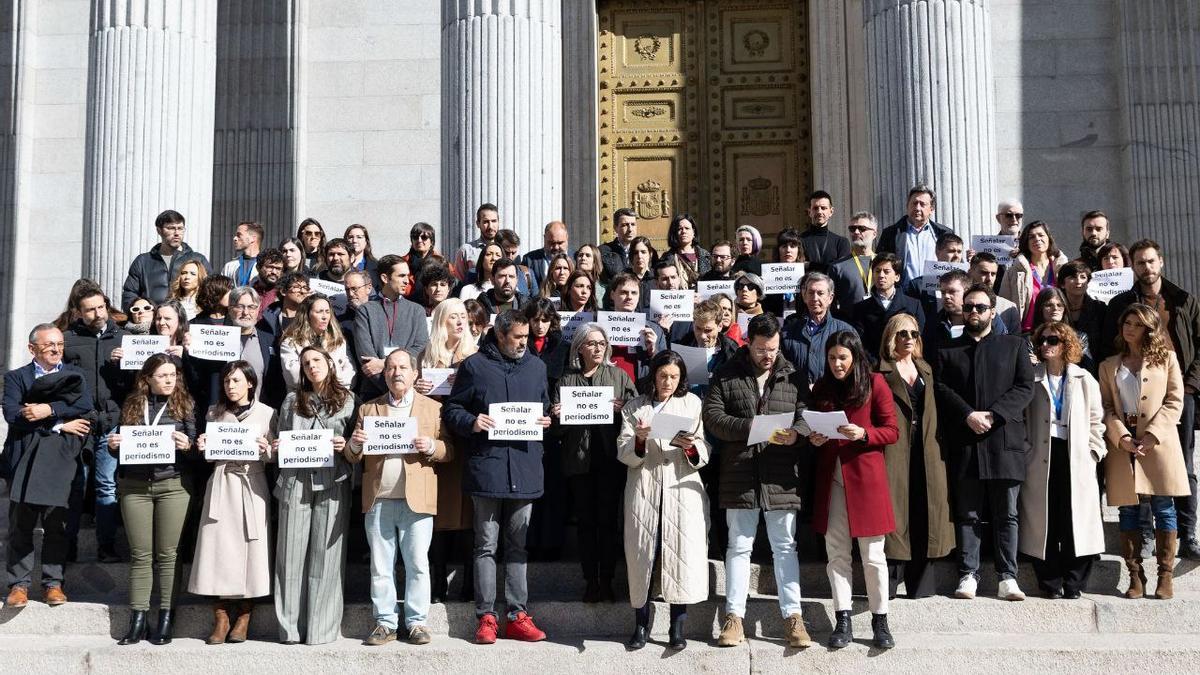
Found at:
[1061, 526]
[312, 236]
[421, 251]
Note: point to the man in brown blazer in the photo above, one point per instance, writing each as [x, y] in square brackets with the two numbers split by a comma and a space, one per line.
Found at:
[399, 495]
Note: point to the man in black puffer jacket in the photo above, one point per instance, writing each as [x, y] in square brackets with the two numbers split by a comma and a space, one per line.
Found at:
[151, 272]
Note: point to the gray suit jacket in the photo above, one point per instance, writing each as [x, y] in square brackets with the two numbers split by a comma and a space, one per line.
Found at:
[848, 287]
[371, 336]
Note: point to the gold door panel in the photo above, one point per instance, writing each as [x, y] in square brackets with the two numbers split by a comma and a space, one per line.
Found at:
[704, 109]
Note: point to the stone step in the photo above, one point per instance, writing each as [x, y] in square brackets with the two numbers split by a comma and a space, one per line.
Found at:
[927, 653]
[1090, 614]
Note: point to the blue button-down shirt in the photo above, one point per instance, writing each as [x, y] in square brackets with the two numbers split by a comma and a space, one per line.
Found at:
[39, 371]
[916, 246]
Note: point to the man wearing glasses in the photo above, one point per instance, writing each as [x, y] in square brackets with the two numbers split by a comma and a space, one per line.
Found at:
[852, 277]
[257, 350]
[270, 269]
[151, 272]
[984, 382]
[722, 262]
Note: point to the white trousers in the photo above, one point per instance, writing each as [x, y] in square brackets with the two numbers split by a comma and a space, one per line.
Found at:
[837, 549]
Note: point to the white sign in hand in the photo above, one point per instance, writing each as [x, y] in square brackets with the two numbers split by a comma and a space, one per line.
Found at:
[230, 442]
[306, 449]
[585, 405]
[695, 359]
[389, 435]
[666, 425]
[135, 349]
[999, 245]
[215, 343]
[624, 329]
[515, 421]
[780, 278]
[147, 444]
[936, 268]
[676, 304]
[571, 321]
[763, 427]
[1108, 284]
[827, 423]
[707, 289]
[440, 377]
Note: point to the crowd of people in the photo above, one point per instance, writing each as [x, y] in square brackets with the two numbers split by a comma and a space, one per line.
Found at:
[866, 399]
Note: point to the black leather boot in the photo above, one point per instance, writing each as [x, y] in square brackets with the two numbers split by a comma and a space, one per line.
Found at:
[843, 633]
[675, 638]
[137, 628]
[162, 636]
[641, 634]
[883, 636]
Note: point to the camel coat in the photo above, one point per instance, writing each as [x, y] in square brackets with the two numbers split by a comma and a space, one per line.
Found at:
[233, 545]
[420, 479]
[897, 456]
[665, 502]
[1083, 414]
[1017, 284]
[1161, 472]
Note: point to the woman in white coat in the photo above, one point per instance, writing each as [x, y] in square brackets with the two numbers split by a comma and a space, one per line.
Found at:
[233, 546]
[666, 508]
[1061, 526]
[314, 326]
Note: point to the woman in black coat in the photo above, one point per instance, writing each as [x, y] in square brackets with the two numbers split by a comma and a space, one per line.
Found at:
[547, 528]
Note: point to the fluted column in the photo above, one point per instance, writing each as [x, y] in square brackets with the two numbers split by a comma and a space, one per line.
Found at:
[503, 104]
[1160, 81]
[150, 127]
[931, 113]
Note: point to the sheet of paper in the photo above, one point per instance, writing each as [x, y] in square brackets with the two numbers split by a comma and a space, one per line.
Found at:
[676, 304]
[624, 329]
[585, 405]
[515, 422]
[696, 361]
[230, 442]
[743, 322]
[135, 349]
[826, 423]
[440, 377]
[331, 289]
[780, 278]
[147, 444]
[999, 245]
[1107, 284]
[215, 343]
[936, 268]
[665, 425]
[763, 426]
[307, 449]
[707, 289]
[571, 321]
[389, 435]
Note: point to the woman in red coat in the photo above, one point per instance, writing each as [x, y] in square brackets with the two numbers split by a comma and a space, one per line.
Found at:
[852, 482]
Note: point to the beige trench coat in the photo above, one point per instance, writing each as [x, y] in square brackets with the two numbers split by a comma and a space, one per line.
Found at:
[664, 475]
[232, 549]
[1161, 472]
[1083, 413]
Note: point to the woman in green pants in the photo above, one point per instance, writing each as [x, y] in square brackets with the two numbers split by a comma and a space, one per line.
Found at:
[154, 498]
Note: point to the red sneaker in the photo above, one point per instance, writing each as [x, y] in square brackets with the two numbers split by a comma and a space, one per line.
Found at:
[522, 628]
[486, 633]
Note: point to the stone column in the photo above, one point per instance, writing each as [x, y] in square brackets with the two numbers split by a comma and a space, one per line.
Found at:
[150, 128]
[1160, 87]
[503, 107]
[929, 88]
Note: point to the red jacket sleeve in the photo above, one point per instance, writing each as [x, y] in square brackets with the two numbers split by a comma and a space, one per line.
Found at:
[882, 429]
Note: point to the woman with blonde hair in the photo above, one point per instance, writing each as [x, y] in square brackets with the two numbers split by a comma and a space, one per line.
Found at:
[314, 326]
[1141, 387]
[588, 258]
[185, 287]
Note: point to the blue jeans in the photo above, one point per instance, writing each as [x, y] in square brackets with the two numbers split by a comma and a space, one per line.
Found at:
[1164, 514]
[104, 471]
[781, 530]
[390, 524]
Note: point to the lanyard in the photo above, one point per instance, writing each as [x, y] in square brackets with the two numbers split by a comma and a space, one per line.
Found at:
[391, 320]
[146, 414]
[866, 276]
[1057, 398]
[243, 274]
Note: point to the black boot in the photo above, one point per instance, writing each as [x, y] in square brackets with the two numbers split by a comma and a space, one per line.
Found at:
[438, 586]
[467, 592]
[842, 634]
[607, 594]
[883, 636]
[675, 634]
[591, 591]
[640, 635]
[137, 628]
[162, 636]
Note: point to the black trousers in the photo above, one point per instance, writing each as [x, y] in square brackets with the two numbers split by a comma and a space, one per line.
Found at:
[597, 499]
[1061, 569]
[919, 577]
[22, 520]
[1185, 507]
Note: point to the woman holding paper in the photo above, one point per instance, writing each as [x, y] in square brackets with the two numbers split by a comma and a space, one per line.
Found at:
[666, 509]
[314, 506]
[852, 497]
[155, 497]
[314, 326]
[232, 558]
[589, 459]
[1035, 268]
[171, 321]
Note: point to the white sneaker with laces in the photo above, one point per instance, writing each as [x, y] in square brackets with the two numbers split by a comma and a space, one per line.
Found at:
[966, 587]
[1009, 590]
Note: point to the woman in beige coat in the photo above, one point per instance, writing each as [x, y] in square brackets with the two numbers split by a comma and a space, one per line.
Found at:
[666, 508]
[232, 559]
[1142, 390]
[1034, 269]
[1061, 526]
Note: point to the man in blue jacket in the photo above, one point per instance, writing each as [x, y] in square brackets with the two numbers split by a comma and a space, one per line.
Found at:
[503, 477]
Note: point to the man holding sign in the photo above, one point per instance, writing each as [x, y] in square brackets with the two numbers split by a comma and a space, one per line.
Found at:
[503, 477]
[398, 437]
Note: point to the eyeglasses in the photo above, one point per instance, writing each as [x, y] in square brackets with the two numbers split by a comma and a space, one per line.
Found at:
[310, 233]
[423, 236]
[172, 228]
[298, 289]
[907, 334]
[1014, 216]
[595, 344]
[856, 229]
[717, 256]
[245, 308]
[979, 308]
[355, 289]
[1051, 340]
[49, 345]
[765, 352]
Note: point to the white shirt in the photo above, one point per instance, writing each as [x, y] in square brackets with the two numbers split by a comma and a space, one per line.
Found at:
[1129, 387]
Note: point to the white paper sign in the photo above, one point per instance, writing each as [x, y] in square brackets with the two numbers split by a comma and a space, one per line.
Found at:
[571, 321]
[307, 449]
[331, 289]
[230, 442]
[707, 289]
[780, 278]
[624, 329]
[135, 349]
[763, 426]
[440, 377]
[827, 423]
[215, 343]
[676, 304]
[743, 322]
[147, 444]
[665, 425]
[389, 435]
[695, 359]
[934, 269]
[515, 421]
[585, 405]
[1107, 284]
[999, 245]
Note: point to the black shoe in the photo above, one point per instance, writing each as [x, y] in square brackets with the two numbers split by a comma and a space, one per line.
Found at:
[675, 638]
[72, 551]
[162, 636]
[591, 594]
[883, 636]
[640, 635]
[107, 553]
[1052, 593]
[1071, 593]
[607, 594]
[843, 633]
[438, 586]
[1189, 549]
[137, 628]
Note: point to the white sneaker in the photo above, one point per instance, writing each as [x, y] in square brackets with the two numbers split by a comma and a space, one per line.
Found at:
[966, 587]
[1009, 590]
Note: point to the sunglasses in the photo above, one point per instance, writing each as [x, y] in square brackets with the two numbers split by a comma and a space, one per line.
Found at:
[1014, 216]
[423, 236]
[855, 229]
[976, 308]
[1051, 340]
[743, 287]
[145, 308]
[907, 334]
[311, 233]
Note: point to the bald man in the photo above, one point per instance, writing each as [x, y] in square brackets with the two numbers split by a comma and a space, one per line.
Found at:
[554, 241]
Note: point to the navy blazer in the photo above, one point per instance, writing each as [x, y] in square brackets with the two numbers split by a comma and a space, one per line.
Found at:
[887, 238]
[869, 318]
[23, 435]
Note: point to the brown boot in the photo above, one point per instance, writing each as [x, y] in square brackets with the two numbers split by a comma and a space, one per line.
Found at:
[220, 624]
[1165, 545]
[242, 625]
[1131, 551]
